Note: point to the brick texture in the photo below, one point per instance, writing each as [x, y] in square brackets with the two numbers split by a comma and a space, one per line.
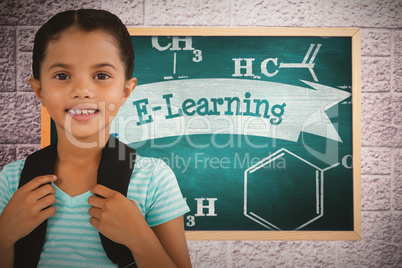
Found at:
[25, 38]
[381, 23]
[130, 12]
[377, 225]
[181, 12]
[24, 150]
[282, 254]
[372, 13]
[397, 61]
[376, 74]
[29, 118]
[9, 122]
[396, 233]
[7, 59]
[376, 192]
[370, 253]
[376, 42]
[7, 155]
[21, 113]
[397, 183]
[277, 13]
[376, 161]
[397, 108]
[38, 12]
[8, 12]
[208, 253]
[376, 109]
[24, 71]
[381, 123]
[381, 135]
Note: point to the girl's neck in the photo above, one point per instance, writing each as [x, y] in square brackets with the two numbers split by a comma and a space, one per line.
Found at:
[78, 151]
[77, 164]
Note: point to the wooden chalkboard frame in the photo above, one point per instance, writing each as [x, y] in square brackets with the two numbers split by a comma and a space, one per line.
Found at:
[355, 35]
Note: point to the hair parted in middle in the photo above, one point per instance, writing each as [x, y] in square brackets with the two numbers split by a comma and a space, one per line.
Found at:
[86, 20]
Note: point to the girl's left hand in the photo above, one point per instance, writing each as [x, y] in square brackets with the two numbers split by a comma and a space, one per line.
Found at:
[116, 216]
[120, 220]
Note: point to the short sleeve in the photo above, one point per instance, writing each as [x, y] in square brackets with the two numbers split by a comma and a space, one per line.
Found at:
[4, 193]
[164, 200]
[9, 179]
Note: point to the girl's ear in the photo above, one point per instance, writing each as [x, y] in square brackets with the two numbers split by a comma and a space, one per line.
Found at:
[35, 84]
[128, 88]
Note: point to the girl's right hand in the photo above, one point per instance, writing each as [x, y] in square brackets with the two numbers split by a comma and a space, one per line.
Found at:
[28, 207]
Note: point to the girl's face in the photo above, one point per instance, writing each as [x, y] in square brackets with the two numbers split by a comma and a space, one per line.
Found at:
[82, 83]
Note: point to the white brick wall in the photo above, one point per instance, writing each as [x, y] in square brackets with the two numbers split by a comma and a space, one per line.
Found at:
[381, 23]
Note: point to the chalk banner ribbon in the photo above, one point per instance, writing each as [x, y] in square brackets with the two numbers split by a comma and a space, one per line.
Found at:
[227, 106]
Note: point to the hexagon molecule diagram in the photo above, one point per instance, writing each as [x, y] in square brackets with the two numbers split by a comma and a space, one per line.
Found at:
[284, 191]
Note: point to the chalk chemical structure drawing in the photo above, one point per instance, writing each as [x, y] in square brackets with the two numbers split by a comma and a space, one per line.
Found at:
[266, 188]
[174, 45]
[248, 66]
[304, 64]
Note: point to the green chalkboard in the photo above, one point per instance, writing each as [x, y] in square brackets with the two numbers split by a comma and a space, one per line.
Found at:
[261, 130]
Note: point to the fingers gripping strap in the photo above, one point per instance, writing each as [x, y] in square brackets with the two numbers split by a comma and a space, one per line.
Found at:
[114, 172]
[27, 250]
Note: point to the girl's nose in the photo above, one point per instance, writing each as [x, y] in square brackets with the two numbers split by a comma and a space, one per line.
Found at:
[82, 90]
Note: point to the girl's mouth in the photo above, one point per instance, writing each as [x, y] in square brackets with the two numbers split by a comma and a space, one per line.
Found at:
[82, 114]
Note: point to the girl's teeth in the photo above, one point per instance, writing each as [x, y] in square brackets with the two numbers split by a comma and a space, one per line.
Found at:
[84, 112]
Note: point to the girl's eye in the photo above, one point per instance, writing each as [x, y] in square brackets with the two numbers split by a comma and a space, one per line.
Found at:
[102, 76]
[61, 76]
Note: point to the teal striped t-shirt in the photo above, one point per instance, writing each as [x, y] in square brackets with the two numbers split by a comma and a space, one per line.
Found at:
[71, 241]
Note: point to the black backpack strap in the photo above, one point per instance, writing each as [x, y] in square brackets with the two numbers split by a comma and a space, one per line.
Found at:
[27, 250]
[114, 172]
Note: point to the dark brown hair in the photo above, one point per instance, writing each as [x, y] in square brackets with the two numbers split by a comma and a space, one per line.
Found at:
[86, 20]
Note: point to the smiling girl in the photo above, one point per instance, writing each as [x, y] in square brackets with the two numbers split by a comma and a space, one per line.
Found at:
[81, 202]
